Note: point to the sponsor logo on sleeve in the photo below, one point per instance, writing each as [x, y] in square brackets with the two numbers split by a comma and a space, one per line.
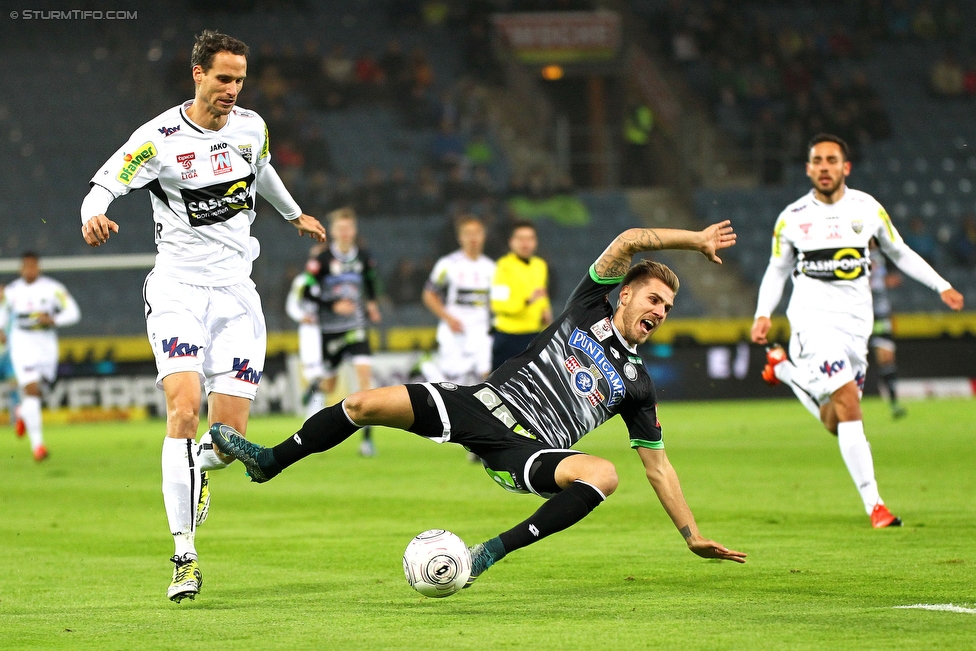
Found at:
[134, 162]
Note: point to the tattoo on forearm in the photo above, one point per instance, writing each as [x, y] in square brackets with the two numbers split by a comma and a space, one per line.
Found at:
[685, 531]
[616, 263]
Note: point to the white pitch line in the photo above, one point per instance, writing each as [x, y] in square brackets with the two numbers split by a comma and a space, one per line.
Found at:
[944, 607]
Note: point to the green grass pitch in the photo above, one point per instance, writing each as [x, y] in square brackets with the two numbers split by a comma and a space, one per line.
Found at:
[312, 559]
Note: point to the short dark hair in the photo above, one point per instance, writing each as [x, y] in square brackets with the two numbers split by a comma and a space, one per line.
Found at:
[209, 42]
[647, 269]
[829, 137]
[32, 255]
[522, 223]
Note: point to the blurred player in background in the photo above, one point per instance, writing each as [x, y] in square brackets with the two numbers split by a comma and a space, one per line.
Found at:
[203, 163]
[882, 342]
[345, 289]
[580, 372]
[305, 312]
[35, 306]
[821, 240]
[8, 381]
[519, 295]
[457, 292]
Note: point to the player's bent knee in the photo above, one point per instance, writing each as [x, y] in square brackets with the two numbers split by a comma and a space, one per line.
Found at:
[600, 473]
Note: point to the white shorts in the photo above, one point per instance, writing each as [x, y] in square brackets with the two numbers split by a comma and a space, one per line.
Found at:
[218, 332]
[826, 360]
[33, 356]
[464, 354]
[310, 351]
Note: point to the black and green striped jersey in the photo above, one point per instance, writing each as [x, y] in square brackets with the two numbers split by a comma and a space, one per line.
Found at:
[578, 373]
[350, 275]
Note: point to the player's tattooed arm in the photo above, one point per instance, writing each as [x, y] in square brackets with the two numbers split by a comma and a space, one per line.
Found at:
[616, 259]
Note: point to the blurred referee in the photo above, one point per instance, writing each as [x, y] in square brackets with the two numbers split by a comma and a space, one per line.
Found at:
[519, 295]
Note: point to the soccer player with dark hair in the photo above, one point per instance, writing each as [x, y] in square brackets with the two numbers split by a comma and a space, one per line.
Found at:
[821, 241]
[203, 163]
[524, 419]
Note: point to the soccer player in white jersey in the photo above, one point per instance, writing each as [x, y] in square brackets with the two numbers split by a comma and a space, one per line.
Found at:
[822, 241]
[35, 306]
[304, 312]
[202, 161]
[457, 292]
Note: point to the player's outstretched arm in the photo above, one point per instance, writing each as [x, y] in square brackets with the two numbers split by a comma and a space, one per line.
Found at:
[615, 260]
[308, 225]
[952, 298]
[665, 482]
[97, 230]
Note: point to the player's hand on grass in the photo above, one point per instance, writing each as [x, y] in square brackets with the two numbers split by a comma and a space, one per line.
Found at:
[760, 329]
[711, 549]
[308, 225]
[96, 230]
[952, 298]
[715, 238]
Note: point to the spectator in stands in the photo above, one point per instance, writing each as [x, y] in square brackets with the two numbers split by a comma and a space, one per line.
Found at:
[371, 195]
[947, 78]
[394, 65]
[638, 123]
[405, 284]
[921, 240]
[369, 78]
[964, 243]
[339, 71]
[447, 147]
[899, 20]
[316, 150]
[429, 197]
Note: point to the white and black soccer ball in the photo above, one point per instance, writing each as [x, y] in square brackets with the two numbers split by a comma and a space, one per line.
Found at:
[437, 563]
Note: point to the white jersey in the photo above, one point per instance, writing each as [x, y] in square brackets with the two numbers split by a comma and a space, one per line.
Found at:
[202, 186]
[825, 248]
[465, 285]
[33, 345]
[300, 309]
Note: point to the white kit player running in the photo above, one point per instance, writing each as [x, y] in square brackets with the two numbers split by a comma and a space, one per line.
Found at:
[457, 292]
[202, 161]
[304, 312]
[822, 241]
[34, 305]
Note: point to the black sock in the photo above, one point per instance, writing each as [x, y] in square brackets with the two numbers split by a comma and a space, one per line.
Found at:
[367, 433]
[322, 431]
[889, 376]
[562, 510]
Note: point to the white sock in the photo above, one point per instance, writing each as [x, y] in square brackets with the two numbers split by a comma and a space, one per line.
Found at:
[30, 412]
[181, 492]
[207, 459]
[784, 373]
[315, 404]
[856, 451]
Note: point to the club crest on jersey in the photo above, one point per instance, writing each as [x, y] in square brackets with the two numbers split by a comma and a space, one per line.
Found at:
[132, 163]
[168, 131]
[630, 371]
[173, 348]
[602, 329]
[585, 380]
[221, 162]
[243, 372]
[246, 152]
[594, 350]
[857, 225]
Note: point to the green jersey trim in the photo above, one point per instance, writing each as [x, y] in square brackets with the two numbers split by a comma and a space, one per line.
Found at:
[603, 281]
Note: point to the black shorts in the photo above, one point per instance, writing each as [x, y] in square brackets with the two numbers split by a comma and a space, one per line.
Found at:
[477, 419]
[340, 346]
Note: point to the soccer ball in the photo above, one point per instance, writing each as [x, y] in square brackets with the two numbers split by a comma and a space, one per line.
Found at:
[437, 563]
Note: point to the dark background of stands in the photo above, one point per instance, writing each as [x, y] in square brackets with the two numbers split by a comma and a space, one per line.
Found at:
[74, 90]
